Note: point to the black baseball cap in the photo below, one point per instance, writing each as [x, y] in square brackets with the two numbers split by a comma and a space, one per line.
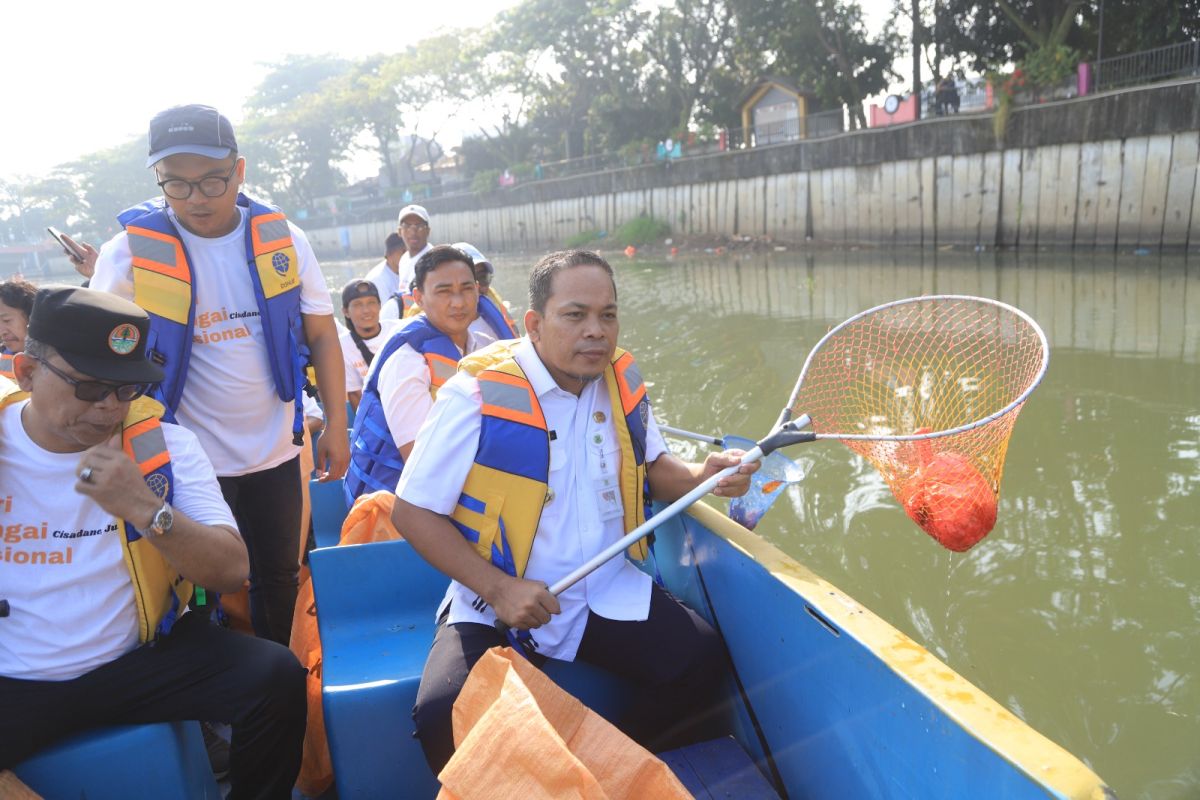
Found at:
[358, 288]
[99, 334]
[196, 129]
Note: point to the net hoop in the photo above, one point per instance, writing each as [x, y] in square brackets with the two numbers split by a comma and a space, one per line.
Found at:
[913, 437]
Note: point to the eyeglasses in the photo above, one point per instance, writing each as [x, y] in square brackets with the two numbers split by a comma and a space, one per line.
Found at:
[212, 186]
[413, 226]
[95, 391]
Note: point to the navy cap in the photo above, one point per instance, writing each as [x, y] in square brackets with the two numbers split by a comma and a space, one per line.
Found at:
[99, 334]
[358, 288]
[196, 129]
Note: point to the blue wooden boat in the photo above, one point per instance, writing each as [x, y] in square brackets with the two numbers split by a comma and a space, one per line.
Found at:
[831, 701]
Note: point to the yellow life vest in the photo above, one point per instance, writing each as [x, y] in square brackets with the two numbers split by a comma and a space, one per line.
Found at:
[159, 591]
[501, 502]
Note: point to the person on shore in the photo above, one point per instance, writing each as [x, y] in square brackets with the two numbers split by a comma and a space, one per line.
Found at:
[537, 455]
[414, 229]
[16, 303]
[365, 334]
[407, 373]
[386, 274]
[96, 632]
[237, 306]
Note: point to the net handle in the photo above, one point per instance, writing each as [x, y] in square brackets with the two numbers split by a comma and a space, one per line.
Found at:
[786, 414]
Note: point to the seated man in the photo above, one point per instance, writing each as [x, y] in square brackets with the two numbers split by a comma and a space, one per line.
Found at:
[484, 272]
[406, 374]
[536, 456]
[111, 517]
[365, 334]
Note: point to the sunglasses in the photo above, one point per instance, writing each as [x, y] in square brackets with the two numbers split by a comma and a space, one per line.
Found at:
[95, 391]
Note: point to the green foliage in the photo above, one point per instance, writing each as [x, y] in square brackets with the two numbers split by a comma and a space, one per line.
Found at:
[486, 181]
[582, 239]
[641, 231]
[1050, 65]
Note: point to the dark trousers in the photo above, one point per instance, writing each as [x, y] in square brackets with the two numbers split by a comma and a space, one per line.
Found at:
[266, 505]
[674, 658]
[197, 671]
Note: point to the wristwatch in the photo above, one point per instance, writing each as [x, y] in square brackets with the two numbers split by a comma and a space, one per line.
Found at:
[163, 519]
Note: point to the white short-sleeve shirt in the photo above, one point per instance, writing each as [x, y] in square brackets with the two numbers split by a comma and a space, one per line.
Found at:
[61, 563]
[404, 388]
[229, 399]
[405, 272]
[384, 279]
[356, 365]
[576, 524]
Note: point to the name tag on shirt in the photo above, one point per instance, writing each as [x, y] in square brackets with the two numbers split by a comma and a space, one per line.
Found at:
[608, 501]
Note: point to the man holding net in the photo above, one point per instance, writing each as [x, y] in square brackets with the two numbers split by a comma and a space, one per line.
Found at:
[537, 455]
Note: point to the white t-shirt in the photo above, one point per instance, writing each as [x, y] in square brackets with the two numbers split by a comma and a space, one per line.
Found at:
[386, 281]
[406, 271]
[578, 522]
[229, 399]
[404, 388]
[61, 563]
[356, 365]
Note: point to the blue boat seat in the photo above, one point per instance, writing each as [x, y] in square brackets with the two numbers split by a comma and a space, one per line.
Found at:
[328, 511]
[166, 759]
[719, 768]
[375, 613]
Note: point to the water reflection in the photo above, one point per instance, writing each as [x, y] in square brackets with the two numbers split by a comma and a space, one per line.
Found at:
[1081, 610]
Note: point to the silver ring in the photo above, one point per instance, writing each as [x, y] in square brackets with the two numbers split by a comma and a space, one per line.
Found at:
[85, 474]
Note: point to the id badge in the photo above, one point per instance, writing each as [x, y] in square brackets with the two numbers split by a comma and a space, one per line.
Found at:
[608, 500]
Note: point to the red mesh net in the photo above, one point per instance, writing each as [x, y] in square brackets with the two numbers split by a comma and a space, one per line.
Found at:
[925, 366]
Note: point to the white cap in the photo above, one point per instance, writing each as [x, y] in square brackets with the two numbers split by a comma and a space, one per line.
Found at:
[413, 209]
[472, 251]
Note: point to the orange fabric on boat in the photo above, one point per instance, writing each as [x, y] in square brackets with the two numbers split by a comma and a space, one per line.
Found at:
[517, 734]
[370, 520]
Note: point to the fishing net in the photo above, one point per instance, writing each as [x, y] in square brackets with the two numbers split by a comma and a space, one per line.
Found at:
[928, 390]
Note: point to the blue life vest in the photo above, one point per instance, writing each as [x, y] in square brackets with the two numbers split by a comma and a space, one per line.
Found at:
[164, 286]
[375, 462]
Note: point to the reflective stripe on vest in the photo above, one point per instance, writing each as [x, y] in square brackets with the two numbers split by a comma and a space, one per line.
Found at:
[6, 365]
[500, 506]
[375, 460]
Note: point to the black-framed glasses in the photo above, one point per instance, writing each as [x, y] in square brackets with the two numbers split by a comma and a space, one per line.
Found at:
[212, 186]
[95, 391]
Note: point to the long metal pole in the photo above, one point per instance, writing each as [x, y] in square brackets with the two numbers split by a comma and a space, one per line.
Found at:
[1100, 46]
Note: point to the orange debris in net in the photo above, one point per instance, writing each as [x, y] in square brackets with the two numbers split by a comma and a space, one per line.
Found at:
[949, 499]
[770, 486]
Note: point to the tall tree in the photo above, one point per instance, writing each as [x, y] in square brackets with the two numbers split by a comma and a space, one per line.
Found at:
[689, 42]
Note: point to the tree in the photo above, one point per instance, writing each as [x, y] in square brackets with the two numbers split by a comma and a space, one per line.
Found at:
[294, 136]
[690, 42]
[367, 95]
[109, 181]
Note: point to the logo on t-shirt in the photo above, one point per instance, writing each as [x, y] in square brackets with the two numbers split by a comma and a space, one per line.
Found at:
[123, 339]
[280, 262]
[158, 484]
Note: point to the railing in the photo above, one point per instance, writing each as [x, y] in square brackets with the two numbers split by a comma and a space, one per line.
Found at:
[1171, 61]
[821, 125]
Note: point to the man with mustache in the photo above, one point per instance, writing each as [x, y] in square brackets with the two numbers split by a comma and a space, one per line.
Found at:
[537, 455]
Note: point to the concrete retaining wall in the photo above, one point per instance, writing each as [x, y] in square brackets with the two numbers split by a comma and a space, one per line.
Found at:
[1111, 171]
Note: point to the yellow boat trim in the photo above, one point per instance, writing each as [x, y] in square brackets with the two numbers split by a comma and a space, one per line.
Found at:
[972, 708]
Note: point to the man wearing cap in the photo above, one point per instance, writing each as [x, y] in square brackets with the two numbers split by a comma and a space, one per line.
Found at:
[404, 378]
[238, 307]
[111, 517]
[414, 229]
[386, 274]
[365, 333]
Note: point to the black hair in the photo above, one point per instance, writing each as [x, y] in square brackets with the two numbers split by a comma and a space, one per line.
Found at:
[437, 256]
[18, 293]
[543, 272]
[393, 243]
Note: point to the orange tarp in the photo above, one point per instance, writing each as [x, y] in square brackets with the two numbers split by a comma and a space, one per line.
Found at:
[517, 734]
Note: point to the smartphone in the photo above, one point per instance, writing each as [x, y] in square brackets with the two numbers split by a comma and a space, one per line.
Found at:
[71, 250]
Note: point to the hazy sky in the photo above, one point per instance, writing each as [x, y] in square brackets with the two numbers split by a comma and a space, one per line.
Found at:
[76, 77]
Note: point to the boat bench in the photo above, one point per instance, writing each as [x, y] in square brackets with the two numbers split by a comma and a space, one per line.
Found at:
[328, 503]
[719, 768]
[165, 759]
[375, 612]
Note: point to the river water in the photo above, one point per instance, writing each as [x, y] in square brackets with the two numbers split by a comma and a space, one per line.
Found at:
[1079, 611]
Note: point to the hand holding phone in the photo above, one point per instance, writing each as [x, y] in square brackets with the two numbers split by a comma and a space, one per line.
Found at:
[69, 247]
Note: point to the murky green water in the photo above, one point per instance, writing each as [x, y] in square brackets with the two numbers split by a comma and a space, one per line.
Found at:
[1081, 610]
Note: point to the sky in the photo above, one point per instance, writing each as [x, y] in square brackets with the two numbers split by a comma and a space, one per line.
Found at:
[82, 76]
